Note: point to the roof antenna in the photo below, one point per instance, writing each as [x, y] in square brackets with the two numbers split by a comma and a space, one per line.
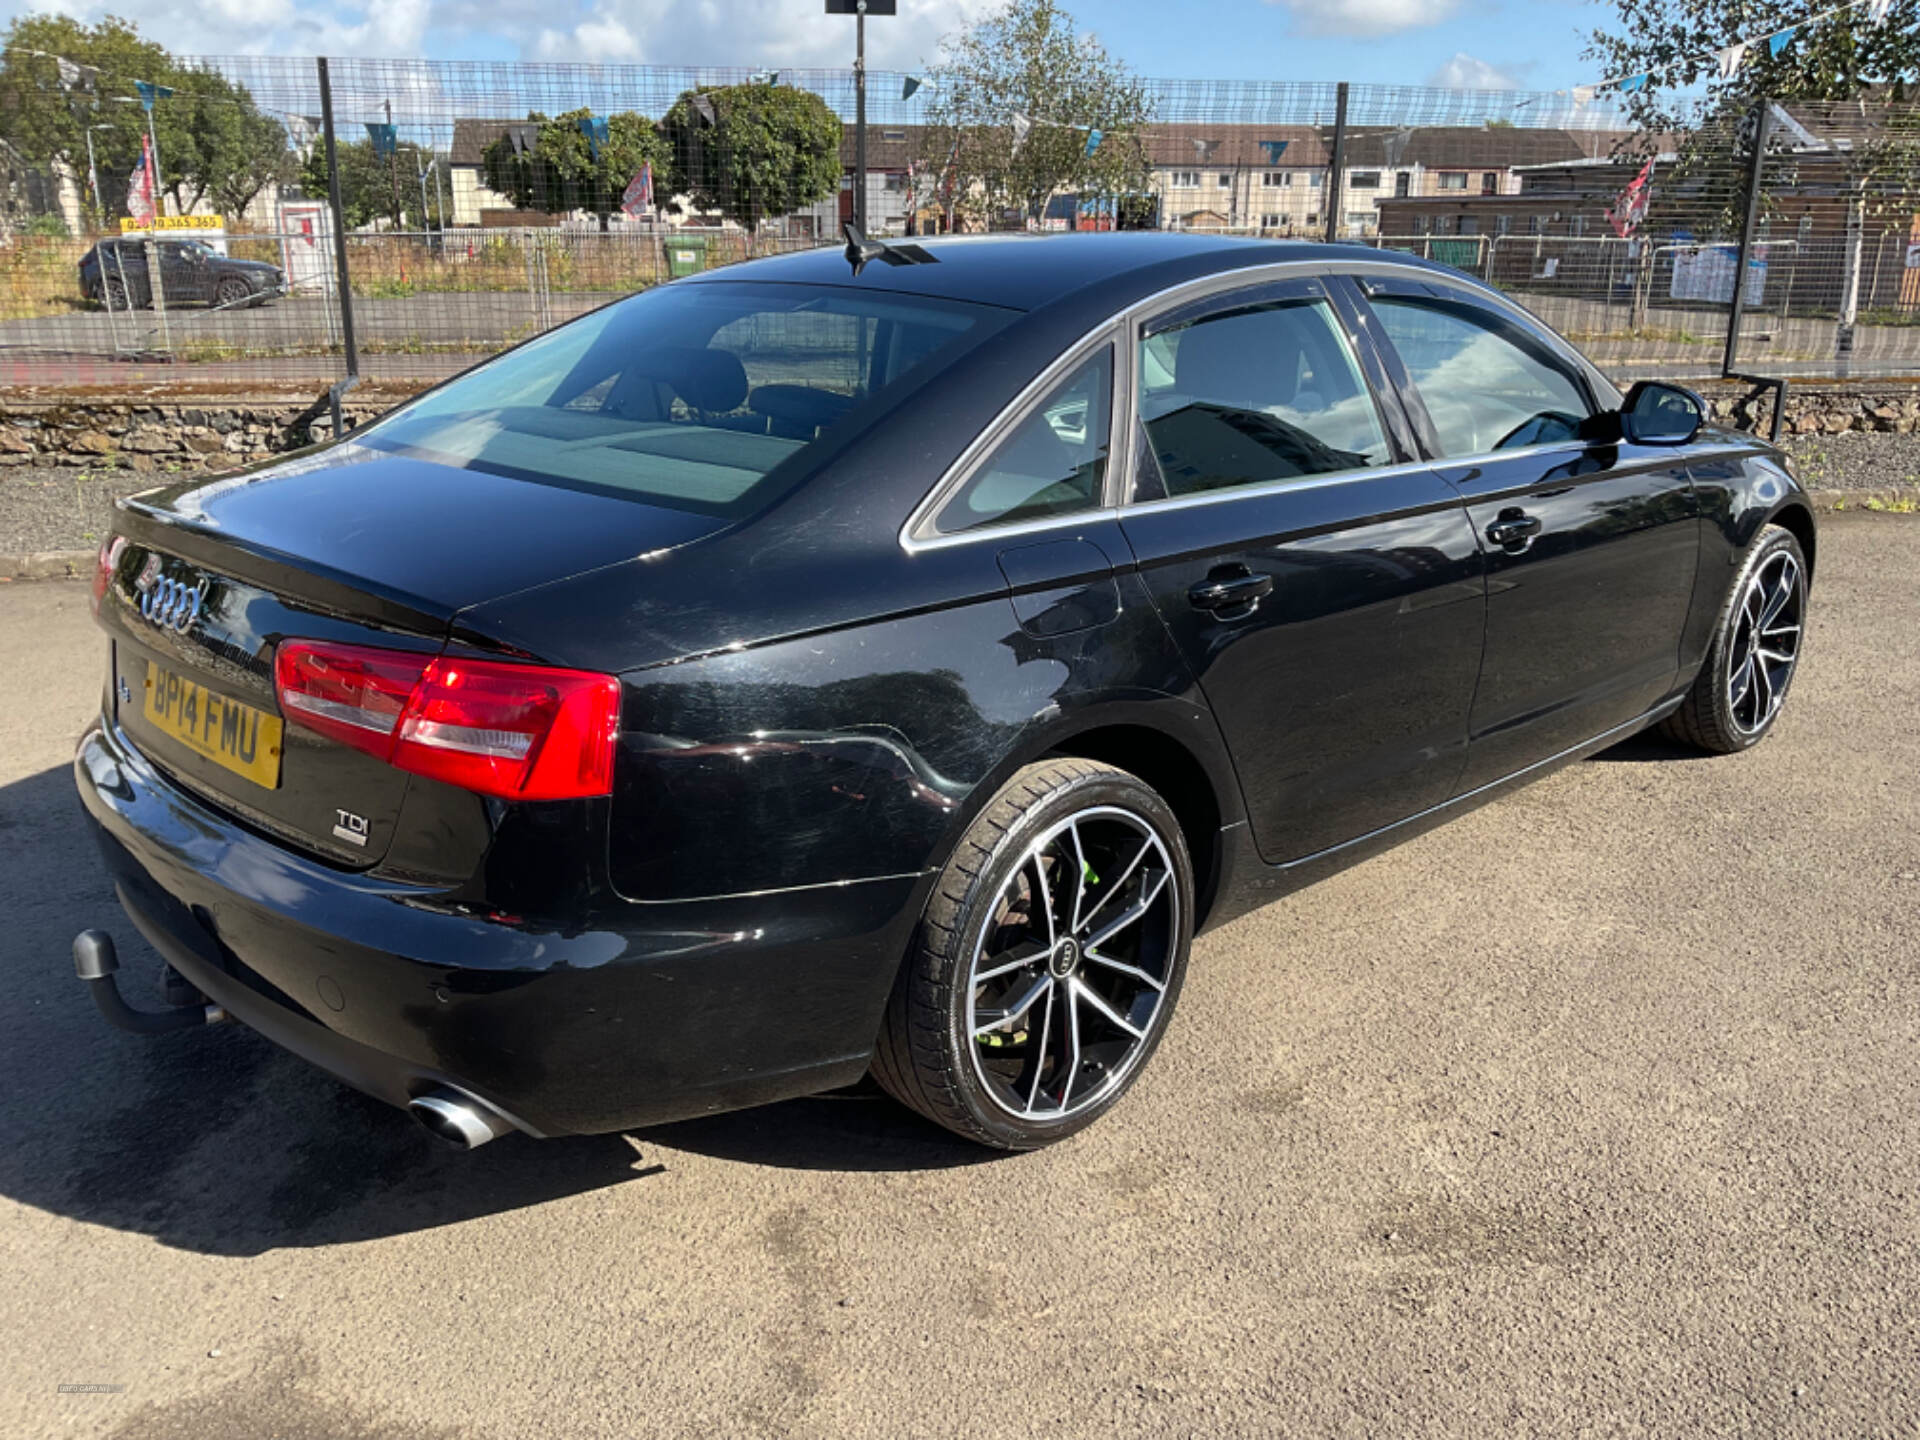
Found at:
[860, 250]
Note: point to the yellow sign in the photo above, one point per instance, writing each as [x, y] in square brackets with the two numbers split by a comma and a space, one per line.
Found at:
[129, 226]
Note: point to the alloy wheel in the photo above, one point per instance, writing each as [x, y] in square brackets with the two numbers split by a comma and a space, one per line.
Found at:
[1069, 977]
[1766, 642]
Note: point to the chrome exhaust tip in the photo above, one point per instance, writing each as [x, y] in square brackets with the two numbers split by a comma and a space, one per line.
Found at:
[459, 1120]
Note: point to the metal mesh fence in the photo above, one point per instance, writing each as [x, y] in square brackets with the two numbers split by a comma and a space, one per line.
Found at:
[482, 203]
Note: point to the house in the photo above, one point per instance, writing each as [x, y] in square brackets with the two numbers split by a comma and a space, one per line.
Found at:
[467, 172]
[1265, 179]
[1446, 162]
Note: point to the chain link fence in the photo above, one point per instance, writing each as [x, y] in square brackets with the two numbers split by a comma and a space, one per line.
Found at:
[481, 203]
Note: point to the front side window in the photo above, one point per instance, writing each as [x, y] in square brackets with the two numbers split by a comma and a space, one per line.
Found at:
[688, 395]
[1053, 462]
[1486, 385]
[1267, 391]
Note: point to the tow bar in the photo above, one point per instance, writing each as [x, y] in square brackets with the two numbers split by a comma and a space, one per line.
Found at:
[95, 962]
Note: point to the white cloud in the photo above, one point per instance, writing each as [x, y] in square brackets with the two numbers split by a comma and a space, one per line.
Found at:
[1465, 72]
[734, 33]
[1367, 17]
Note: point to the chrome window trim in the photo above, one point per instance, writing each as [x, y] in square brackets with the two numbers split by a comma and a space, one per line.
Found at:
[1120, 329]
[1305, 482]
[919, 533]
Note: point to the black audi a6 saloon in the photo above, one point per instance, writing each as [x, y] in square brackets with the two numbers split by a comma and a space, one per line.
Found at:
[888, 660]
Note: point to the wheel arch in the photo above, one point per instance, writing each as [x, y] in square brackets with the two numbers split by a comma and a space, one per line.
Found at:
[1797, 520]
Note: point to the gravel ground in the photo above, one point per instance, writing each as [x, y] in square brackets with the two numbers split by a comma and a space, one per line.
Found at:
[56, 508]
[1595, 1112]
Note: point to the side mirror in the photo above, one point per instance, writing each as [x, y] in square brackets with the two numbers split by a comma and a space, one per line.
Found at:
[1657, 414]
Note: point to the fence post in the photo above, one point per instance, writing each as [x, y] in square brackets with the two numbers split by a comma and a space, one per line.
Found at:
[343, 285]
[1762, 121]
[1337, 160]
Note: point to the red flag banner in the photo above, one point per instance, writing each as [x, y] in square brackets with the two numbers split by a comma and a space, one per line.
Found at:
[638, 198]
[140, 190]
[1630, 206]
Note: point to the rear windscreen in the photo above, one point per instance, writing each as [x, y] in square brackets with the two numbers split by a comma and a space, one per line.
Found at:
[689, 395]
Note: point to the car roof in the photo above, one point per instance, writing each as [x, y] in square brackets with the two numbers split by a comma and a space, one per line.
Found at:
[1027, 272]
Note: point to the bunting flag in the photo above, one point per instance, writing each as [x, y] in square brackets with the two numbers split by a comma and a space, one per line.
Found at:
[1877, 11]
[594, 127]
[909, 85]
[1730, 59]
[1633, 83]
[1275, 149]
[302, 130]
[1630, 207]
[765, 77]
[140, 187]
[150, 92]
[638, 198]
[1395, 144]
[1021, 127]
[385, 140]
[703, 107]
[1093, 141]
[1777, 43]
[1582, 96]
[523, 137]
[74, 76]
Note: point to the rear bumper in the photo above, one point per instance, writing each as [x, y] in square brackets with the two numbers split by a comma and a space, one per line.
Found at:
[656, 1012]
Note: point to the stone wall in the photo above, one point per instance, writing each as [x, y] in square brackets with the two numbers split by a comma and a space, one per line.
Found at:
[219, 433]
[1823, 407]
[174, 435]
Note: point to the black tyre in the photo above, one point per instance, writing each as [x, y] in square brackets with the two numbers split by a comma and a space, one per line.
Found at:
[231, 292]
[116, 294]
[1756, 649]
[1049, 960]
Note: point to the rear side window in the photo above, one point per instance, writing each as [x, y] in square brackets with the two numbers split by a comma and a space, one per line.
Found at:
[1486, 385]
[701, 397]
[1244, 396]
[1054, 461]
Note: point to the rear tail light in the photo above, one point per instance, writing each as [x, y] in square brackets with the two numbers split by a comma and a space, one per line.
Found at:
[521, 732]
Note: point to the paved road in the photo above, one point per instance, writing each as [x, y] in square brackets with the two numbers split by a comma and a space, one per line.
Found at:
[1597, 1111]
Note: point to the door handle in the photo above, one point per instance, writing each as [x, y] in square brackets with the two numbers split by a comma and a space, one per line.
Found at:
[1512, 529]
[1231, 590]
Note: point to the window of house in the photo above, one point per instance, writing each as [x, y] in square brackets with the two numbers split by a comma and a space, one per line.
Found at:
[1269, 222]
[1364, 180]
[1490, 183]
[1533, 224]
[1313, 218]
[893, 134]
[1226, 181]
[1806, 232]
[1579, 226]
[1055, 460]
[1485, 384]
[1469, 225]
[1419, 224]
[1403, 184]
[1452, 180]
[1358, 221]
[1317, 179]
[1277, 179]
[1184, 179]
[1503, 224]
[1247, 395]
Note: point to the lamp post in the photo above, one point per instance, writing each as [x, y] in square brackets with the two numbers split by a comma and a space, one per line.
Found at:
[93, 170]
[860, 9]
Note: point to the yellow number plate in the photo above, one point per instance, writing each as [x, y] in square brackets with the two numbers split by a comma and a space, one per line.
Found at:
[239, 737]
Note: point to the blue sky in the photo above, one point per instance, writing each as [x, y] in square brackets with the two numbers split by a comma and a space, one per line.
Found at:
[1477, 43]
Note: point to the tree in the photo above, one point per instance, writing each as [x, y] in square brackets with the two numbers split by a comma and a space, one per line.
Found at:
[215, 143]
[1015, 99]
[562, 171]
[769, 150]
[366, 179]
[1674, 44]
